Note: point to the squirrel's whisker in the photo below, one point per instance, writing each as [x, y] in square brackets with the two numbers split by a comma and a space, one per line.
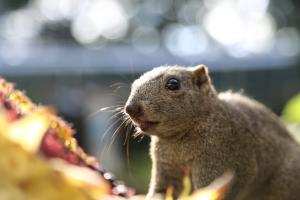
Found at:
[114, 135]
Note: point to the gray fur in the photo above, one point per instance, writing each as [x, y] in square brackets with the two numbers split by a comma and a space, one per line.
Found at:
[209, 134]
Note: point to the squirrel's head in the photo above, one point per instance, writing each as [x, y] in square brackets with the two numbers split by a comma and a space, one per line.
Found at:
[166, 100]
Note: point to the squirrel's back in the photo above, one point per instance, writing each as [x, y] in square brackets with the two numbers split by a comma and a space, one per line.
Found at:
[257, 115]
[277, 152]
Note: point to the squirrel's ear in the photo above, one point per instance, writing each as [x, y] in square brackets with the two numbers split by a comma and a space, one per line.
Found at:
[200, 74]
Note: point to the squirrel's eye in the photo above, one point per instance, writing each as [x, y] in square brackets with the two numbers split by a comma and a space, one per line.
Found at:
[173, 84]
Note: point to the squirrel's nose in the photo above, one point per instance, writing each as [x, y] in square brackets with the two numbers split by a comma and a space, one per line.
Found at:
[134, 110]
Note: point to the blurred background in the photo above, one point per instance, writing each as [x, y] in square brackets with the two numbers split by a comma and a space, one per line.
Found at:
[82, 55]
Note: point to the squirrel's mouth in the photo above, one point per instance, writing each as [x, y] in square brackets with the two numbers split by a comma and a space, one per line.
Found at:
[145, 124]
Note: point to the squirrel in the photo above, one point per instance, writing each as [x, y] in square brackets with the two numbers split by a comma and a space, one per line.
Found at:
[193, 127]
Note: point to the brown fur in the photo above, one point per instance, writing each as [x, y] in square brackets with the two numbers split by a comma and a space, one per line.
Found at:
[210, 133]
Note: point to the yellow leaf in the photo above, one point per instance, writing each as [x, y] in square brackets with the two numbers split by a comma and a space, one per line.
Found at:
[28, 131]
[215, 191]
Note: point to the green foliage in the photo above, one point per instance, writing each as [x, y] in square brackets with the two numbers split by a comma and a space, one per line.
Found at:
[291, 116]
[291, 112]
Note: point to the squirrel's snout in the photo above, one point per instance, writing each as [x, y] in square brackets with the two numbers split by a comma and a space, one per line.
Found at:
[134, 110]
